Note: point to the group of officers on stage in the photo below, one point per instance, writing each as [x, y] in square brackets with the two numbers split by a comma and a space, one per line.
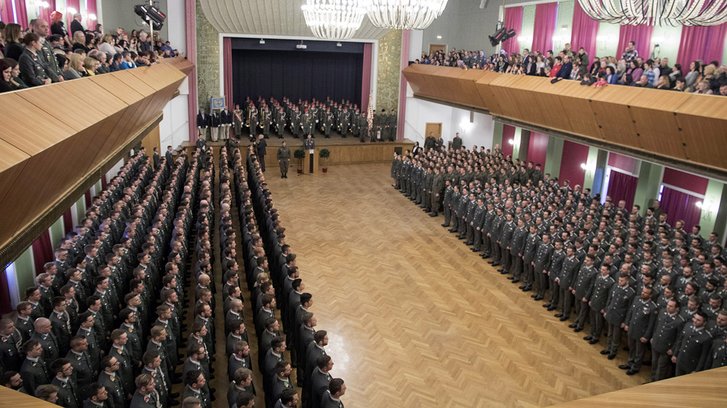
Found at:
[301, 118]
[622, 273]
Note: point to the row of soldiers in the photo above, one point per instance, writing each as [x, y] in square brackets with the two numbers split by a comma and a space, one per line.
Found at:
[302, 118]
[608, 266]
[275, 282]
[141, 212]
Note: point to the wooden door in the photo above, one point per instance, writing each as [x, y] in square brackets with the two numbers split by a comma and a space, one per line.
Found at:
[437, 47]
[434, 130]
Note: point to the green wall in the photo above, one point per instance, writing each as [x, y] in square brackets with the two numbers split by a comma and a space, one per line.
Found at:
[525, 36]
[25, 271]
[650, 176]
[563, 24]
[553, 156]
[607, 40]
[497, 135]
[56, 232]
[710, 208]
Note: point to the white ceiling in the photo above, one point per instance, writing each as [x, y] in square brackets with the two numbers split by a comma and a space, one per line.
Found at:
[269, 17]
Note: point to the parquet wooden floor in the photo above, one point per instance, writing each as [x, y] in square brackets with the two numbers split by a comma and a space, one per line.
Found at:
[415, 319]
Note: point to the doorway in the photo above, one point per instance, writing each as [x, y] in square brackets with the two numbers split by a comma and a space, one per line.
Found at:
[433, 130]
[437, 47]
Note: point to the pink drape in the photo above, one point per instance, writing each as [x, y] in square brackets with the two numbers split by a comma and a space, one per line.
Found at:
[42, 251]
[508, 135]
[6, 11]
[622, 186]
[5, 306]
[701, 43]
[545, 16]
[21, 13]
[513, 20]
[91, 9]
[538, 148]
[570, 165]
[227, 61]
[45, 12]
[680, 206]
[640, 34]
[67, 221]
[190, 19]
[585, 31]
[75, 4]
[366, 77]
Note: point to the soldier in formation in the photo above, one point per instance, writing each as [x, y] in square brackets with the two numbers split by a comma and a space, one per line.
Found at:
[624, 278]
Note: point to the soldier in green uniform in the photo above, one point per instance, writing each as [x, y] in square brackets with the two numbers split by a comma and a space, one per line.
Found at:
[195, 387]
[437, 191]
[280, 122]
[327, 122]
[284, 160]
[146, 395]
[265, 121]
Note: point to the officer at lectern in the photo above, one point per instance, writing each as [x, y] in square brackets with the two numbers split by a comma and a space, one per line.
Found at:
[310, 146]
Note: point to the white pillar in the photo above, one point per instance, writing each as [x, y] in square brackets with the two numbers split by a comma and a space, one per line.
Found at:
[416, 38]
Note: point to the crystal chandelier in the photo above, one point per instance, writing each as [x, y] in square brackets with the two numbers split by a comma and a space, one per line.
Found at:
[333, 19]
[404, 14]
[657, 12]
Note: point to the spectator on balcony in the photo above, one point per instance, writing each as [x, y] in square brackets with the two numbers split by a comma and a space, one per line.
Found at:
[680, 85]
[76, 63]
[76, 25]
[642, 82]
[79, 42]
[127, 60]
[31, 68]
[611, 76]
[7, 65]
[663, 82]
[651, 69]
[13, 41]
[116, 63]
[583, 57]
[56, 43]
[145, 44]
[676, 73]
[556, 67]
[99, 56]
[57, 26]
[703, 88]
[41, 27]
[630, 53]
[90, 65]
[106, 45]
[66, 70]
[695, 68]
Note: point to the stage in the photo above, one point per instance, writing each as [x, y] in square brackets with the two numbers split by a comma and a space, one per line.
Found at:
[344, 150]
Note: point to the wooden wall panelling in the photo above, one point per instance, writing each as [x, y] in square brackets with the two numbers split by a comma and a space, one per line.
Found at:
[610, 109]
[504, 96]
[12, 161]
[525, 96]
[16, 399]
[181, 64]
[415, 81]
[574, 100]
[43, 176]
[546, 95]
[703, 120]
[655, 122]
[468, 90]
[486, 93]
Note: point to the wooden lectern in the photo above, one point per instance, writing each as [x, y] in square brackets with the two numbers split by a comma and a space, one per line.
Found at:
[307, 162]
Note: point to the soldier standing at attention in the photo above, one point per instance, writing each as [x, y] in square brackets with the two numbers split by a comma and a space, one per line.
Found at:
[260, 147]
[284, 160]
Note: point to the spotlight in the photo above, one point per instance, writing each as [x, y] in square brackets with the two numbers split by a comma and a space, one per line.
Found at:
[262, 41]
[338, 44]
[501, 34]
[151, 15]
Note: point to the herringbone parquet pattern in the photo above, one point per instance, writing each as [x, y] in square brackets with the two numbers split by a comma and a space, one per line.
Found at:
[414, 318]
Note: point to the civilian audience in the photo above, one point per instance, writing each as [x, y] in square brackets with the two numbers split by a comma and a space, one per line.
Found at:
[630, 69]
[38, 51]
